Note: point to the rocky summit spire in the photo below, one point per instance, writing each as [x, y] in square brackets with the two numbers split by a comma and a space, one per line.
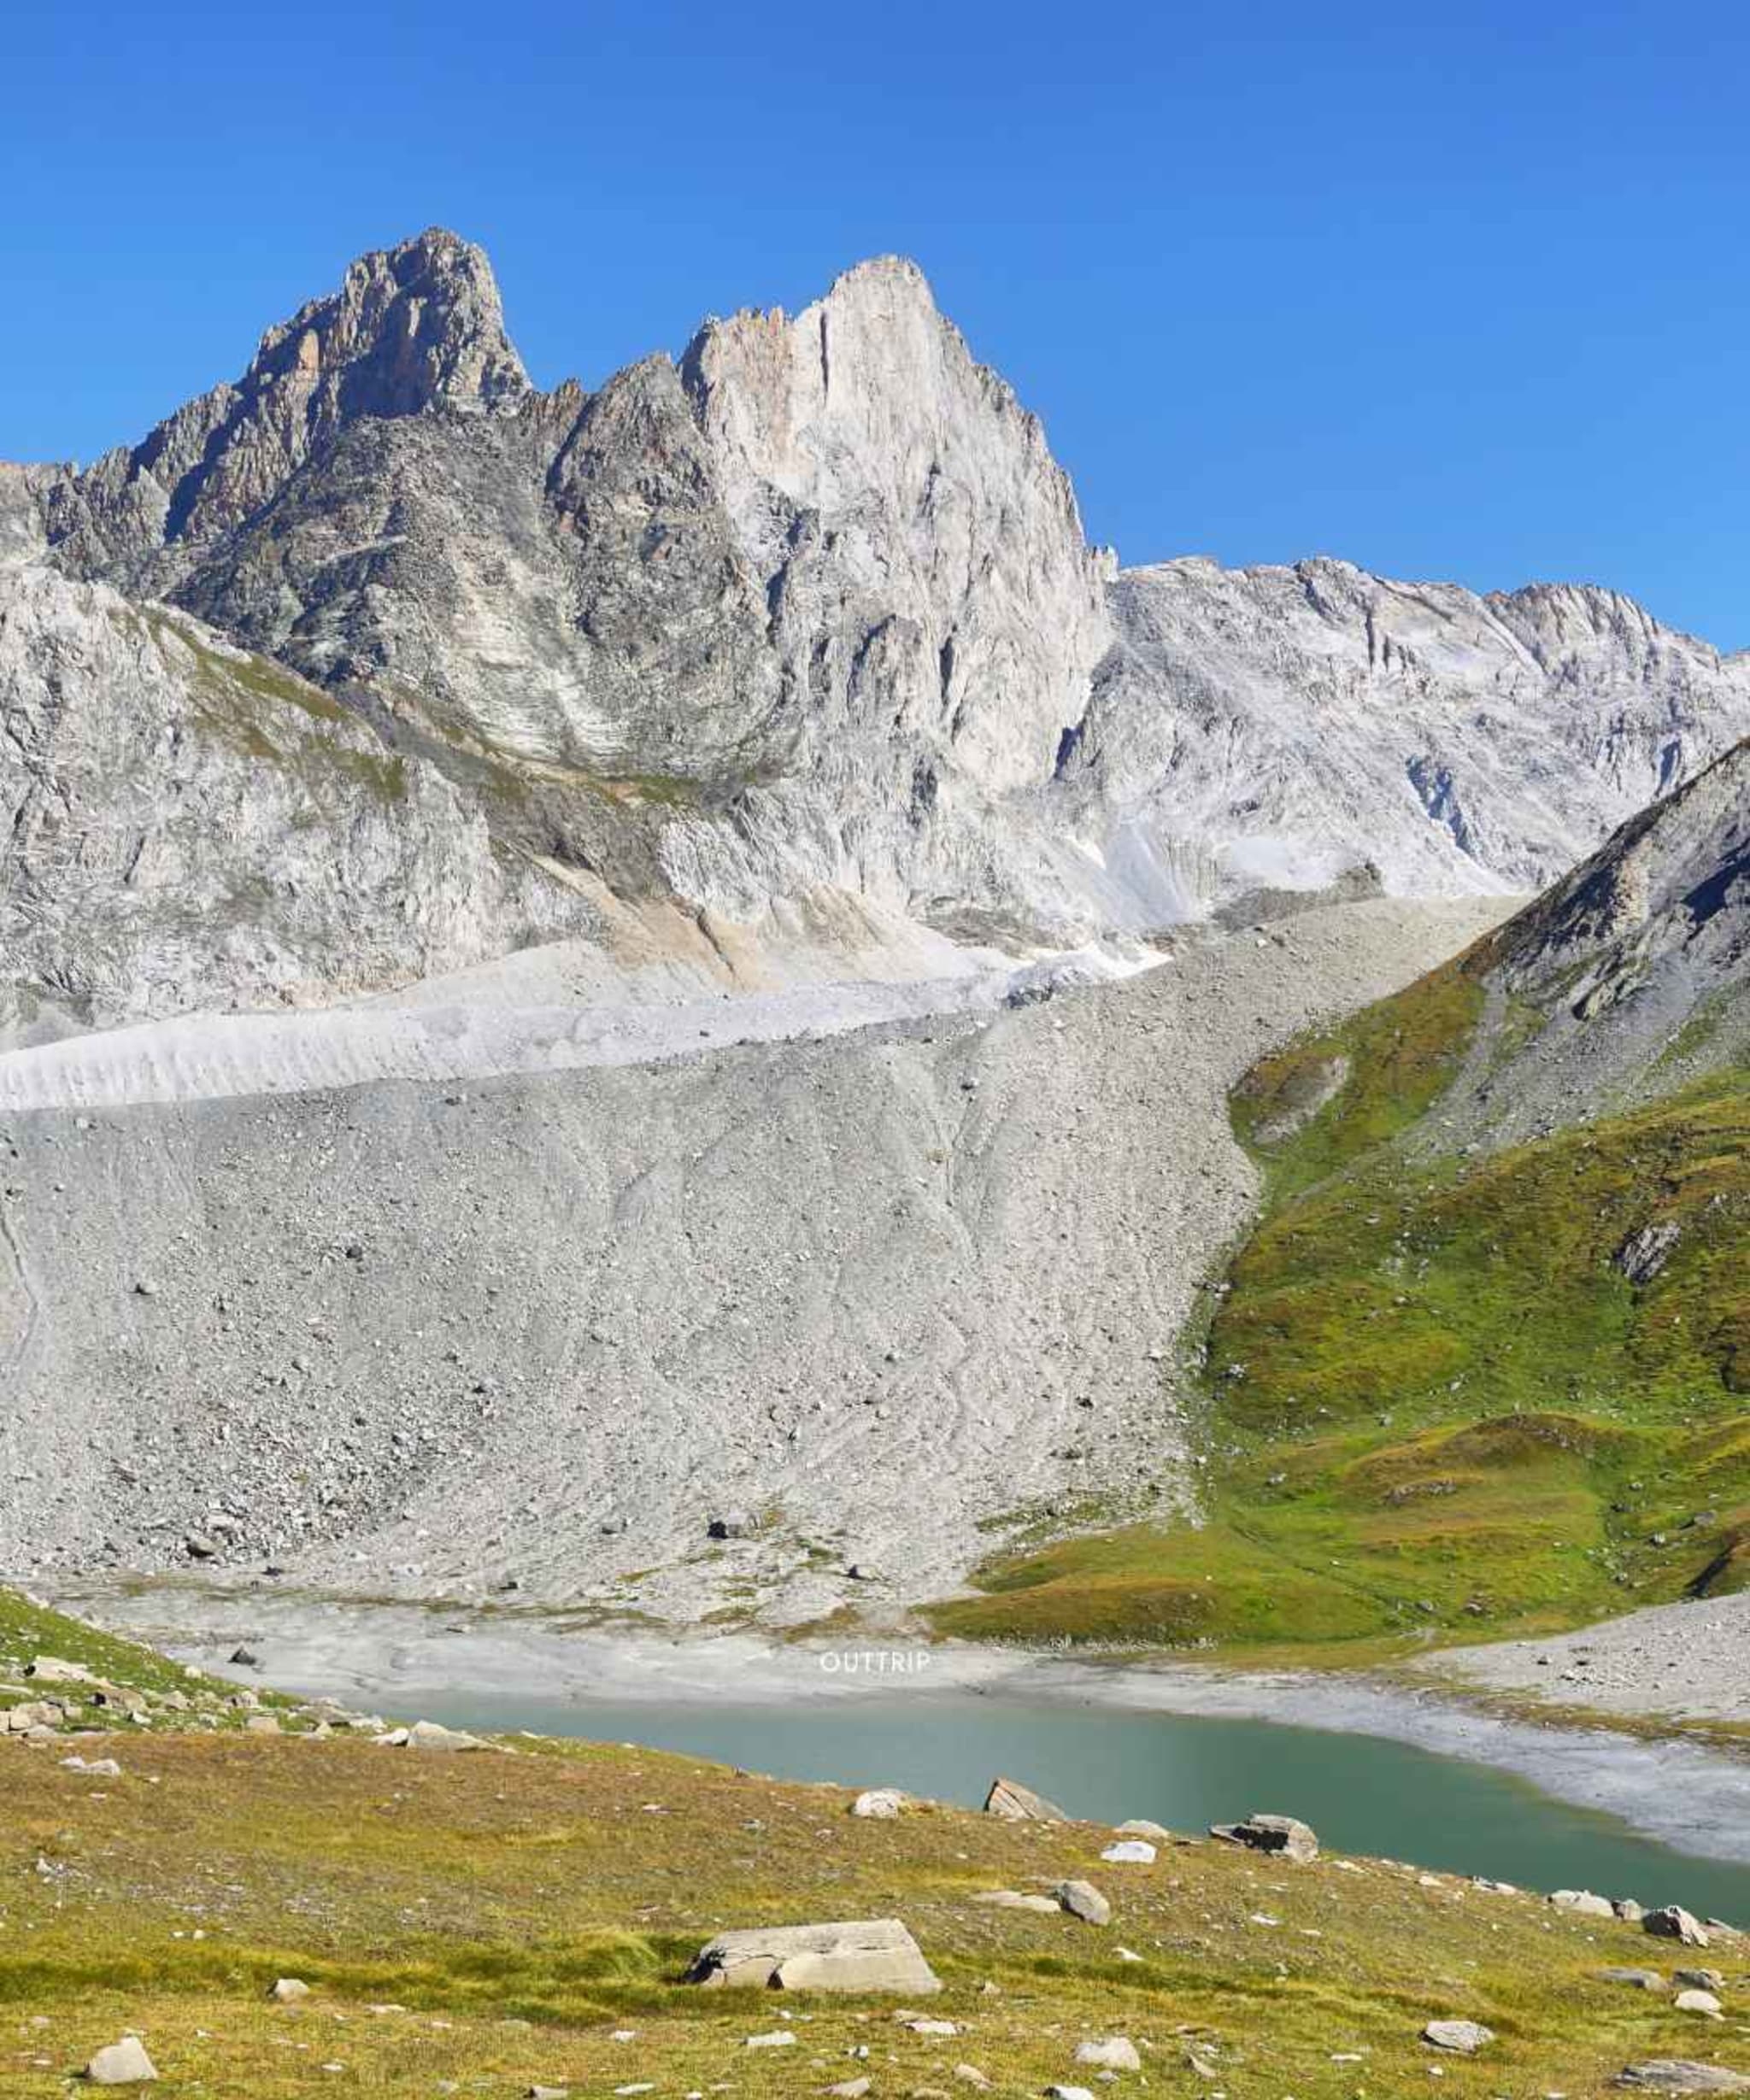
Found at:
[410, 329]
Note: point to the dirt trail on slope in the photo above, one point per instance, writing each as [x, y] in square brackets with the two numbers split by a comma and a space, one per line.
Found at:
[849, 1297]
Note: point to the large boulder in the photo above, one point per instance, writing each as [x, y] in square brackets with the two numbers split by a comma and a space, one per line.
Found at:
[868, 1954]
[1674, 1922]
[1008, 1797]
[1582, 1904]
[1285, 1834]
[1083, 1901]
[1460, 2038]
[879, 1804]
[1117, 2052]
[122, 2063]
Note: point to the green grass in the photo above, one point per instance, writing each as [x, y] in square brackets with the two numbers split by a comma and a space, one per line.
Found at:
[494, 1921]
[28, 1630]
[1433, 1405]
[1396, 1058]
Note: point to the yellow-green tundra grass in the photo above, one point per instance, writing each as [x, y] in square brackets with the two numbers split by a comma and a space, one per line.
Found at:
[490, 1921]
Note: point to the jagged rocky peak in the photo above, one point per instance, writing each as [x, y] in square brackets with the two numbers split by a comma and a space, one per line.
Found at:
[22, 492]
[410, 329]
[905, 496]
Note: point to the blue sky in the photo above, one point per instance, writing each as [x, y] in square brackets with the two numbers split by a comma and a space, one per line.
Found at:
[1454, 292]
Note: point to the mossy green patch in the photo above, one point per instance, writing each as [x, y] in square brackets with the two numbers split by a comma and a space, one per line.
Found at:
[28, 1630]
[268, 714]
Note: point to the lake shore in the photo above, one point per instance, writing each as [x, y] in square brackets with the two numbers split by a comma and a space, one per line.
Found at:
[399, 1657]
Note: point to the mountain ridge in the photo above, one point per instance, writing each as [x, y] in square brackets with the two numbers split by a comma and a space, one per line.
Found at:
[803, 618]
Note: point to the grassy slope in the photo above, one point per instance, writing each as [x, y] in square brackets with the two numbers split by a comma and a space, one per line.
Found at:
[28, 1630]
[172, 1697]
[507, 1916]
[1433, 1401]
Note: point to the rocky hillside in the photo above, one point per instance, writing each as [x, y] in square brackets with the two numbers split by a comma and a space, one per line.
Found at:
[800, 622]
[188, 824]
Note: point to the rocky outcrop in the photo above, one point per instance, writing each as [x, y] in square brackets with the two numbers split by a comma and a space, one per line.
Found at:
[407, 331]
[1626, 978]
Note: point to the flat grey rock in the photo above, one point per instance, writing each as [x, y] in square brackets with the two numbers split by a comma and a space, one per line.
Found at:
[874, 1954]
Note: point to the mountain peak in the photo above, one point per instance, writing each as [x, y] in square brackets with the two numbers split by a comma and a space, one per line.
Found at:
[410, 327]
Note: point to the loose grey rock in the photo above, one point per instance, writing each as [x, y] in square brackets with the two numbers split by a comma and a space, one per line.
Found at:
[1083, 1901]
[1117, 2053]
[1582, 1903]
[122, 2063]
[1681, 2075]
[1460, 2037]
[880, 1803]
[1674, 1922]
[1702, 2002]
[432, 1735]
[288, 1991]
[1016, 1804]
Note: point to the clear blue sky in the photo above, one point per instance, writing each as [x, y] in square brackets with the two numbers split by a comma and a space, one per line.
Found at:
[1453, 291]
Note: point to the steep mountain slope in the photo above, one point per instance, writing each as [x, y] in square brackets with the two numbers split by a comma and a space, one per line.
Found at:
[819, 590]
[804, 621]
[1276, 726]
[1484, 1359]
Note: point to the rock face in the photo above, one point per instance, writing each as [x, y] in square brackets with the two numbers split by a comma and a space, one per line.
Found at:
[1256, 727]
[876, 1954]
[407, 333]
[186, 825]
[818, 591]
[803, 620]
